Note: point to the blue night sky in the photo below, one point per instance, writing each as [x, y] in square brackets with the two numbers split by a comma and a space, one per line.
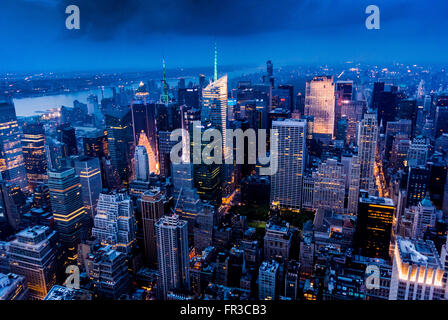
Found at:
[126, 35]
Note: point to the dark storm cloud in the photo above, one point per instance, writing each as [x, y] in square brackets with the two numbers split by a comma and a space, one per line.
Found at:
[103, 19]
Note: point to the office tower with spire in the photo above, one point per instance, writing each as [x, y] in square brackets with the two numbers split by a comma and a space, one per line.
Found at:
[33, 145]
[152, 209]
[320, 103]
[173, 255]
[67, 206]
[114, 222]
[32, 255]
[12, 165]
[286, 183]
[214, 105]
[367, 144]
[89, 171]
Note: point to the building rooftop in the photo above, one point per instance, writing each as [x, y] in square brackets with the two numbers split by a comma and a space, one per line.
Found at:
[63, 293]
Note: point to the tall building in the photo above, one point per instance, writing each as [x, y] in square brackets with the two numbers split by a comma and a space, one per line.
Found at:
[152, 209]
[286, 183]
[33, 145]
[173, 254]
[32, 255]
[374, 227]
[141, 163]
[267, 280]
[367, 143]
[114, 222]
[68, 210]
[320, 103]
[214, 105]
[417, 272]
[119, 139]
[12, 165]
[89, 172]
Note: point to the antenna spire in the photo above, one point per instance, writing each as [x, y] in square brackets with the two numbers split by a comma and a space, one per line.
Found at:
[165, 87]
[216, 63]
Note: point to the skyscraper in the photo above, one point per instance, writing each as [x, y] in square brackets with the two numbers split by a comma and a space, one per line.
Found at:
[320, 103]
[33, 145]
[172, 252]
[32, 255]
[214, 105]
[114, 222]
[89, 171]
[12, 166]
[286, 183]
[152, 209]
[119, 138]
[367, 143]
[68, 210]
[141, 163]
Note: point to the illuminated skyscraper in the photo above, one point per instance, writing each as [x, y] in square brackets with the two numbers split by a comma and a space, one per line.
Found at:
[417, 272]
[68, 210]
[367, 143]
[173, 254]
[33, 144]
[89, 172]
[267, 280]
[320, 103]
[286, 183]
[12, 166]
[214, 105]
[32, 255]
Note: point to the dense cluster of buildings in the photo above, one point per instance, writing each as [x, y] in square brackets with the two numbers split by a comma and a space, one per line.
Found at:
[359, 184]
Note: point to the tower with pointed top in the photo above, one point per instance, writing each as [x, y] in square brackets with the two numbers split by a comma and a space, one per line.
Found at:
[165, 85]
[215, 78]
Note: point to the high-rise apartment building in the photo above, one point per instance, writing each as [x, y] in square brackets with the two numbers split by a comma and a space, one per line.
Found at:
[173, 254]
[367, 144]
[267, 280]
